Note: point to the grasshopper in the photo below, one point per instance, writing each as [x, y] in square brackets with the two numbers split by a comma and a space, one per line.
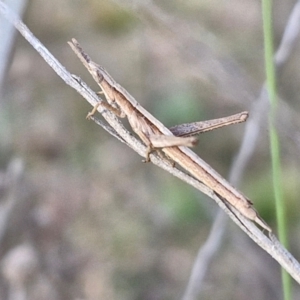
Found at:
[173, 142]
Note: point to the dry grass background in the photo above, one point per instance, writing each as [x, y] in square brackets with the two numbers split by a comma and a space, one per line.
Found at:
[94, 222]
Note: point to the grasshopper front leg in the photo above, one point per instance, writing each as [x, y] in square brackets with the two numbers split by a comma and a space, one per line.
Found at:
[115, 110]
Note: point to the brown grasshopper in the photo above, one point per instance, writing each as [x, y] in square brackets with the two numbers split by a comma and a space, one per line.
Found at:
[155, 135]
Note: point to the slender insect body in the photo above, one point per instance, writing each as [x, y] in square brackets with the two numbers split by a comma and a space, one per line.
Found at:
[155, 135]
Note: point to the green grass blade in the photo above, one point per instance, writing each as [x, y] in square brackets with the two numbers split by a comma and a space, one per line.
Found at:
[274, 140]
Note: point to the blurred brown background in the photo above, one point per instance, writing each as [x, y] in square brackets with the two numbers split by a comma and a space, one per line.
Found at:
[81, 217]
